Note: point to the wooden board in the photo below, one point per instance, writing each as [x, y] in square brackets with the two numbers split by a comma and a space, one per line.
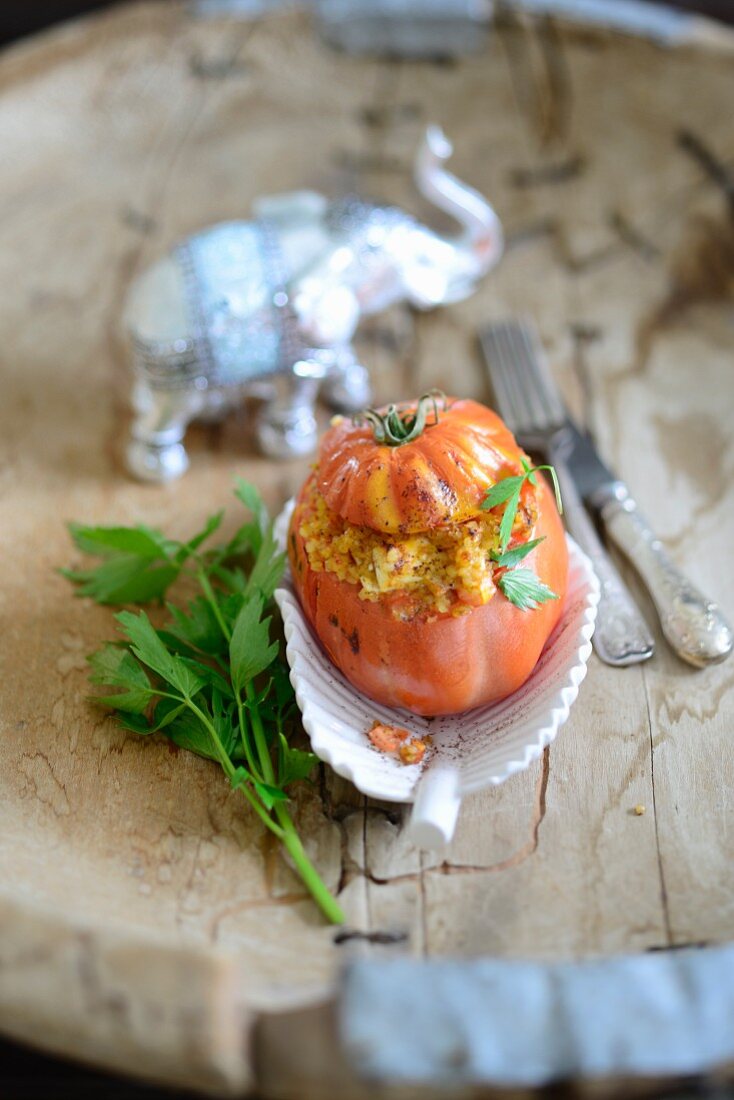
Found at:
[124, 866]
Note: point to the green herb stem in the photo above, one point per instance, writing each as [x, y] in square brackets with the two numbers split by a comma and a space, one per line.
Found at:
[246, 747]
[219, 748]
[262, 813]
[321, 894]
[286, 830]
[213, 603]
[229, 769]
[259, 735]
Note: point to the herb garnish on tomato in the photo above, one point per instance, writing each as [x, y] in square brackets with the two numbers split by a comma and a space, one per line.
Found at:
[520, 586]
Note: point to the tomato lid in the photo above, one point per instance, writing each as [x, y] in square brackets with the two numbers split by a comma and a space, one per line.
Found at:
[439, 475]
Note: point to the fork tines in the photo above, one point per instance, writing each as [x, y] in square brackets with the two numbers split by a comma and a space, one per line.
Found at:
[526, 393]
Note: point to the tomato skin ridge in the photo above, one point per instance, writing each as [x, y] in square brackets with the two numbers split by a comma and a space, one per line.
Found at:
[441, 477]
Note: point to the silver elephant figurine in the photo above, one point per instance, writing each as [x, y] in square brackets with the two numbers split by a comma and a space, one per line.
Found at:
[269, 307]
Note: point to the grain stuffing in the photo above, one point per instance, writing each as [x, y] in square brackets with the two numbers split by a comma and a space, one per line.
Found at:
[448, 569]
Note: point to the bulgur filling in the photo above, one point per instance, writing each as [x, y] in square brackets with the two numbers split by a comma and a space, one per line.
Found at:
[449, 569]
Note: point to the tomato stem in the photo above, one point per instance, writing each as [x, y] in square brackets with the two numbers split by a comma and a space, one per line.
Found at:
[399, 425]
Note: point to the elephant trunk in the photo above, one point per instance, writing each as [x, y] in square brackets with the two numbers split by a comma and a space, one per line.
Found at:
[480, 243]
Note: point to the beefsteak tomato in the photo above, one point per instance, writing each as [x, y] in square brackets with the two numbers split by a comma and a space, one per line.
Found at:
[441, 662]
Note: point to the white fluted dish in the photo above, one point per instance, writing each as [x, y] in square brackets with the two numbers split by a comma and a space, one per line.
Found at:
[469, 751]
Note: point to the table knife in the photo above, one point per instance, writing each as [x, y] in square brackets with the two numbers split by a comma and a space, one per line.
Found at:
[530, 402]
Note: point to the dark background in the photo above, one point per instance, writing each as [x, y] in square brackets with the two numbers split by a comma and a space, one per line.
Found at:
[27, 16]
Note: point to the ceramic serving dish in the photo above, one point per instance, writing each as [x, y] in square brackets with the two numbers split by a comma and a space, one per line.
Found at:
[469, 751]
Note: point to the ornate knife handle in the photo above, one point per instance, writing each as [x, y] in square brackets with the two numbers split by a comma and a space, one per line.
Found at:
[693, 624]
[621, 635]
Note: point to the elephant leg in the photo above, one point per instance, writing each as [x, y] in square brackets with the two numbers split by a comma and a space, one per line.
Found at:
[347, 386]
[155, 451]
[286, 425]
[218, 402]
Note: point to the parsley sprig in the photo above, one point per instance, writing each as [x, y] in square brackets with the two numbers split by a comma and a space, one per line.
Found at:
[520, 586]
[212, 678]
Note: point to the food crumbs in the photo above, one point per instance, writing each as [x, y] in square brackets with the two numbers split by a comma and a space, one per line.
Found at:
[639, 809]
[387, 738]
[413, 752]
[394, 739]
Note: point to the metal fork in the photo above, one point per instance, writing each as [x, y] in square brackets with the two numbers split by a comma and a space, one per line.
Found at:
[532, 408]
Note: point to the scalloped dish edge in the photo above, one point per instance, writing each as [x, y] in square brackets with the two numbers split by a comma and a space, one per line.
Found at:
[343, 742]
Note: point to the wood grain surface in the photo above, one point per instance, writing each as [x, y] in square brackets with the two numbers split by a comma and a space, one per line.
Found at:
[143, 914]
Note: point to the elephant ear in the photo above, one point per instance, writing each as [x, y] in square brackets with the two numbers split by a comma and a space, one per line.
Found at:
[294, 206]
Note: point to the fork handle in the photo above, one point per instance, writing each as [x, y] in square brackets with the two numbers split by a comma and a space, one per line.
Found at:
[693, 625]
[621, 635]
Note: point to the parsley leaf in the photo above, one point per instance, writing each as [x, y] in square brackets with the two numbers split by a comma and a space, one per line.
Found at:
[508, 517]
[141, 541]
[148, 648]
[268, 567]
[252, 532]
[501, 491]
[115, 666]
[211, 679]
[523, 588]
[239, 778]
[123, 579]
[212, 524]
[507, 491]
[250, 649]
[166, 712]
[516, 555]
[233, 579]
[269, 794]
[138, 563]
[187, 732]
[248, 538]
[197, 627]
[293, 764]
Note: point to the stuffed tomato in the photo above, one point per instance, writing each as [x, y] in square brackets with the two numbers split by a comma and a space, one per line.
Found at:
[429, 555]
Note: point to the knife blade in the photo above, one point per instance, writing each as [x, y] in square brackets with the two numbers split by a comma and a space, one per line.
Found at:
[590, 474]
